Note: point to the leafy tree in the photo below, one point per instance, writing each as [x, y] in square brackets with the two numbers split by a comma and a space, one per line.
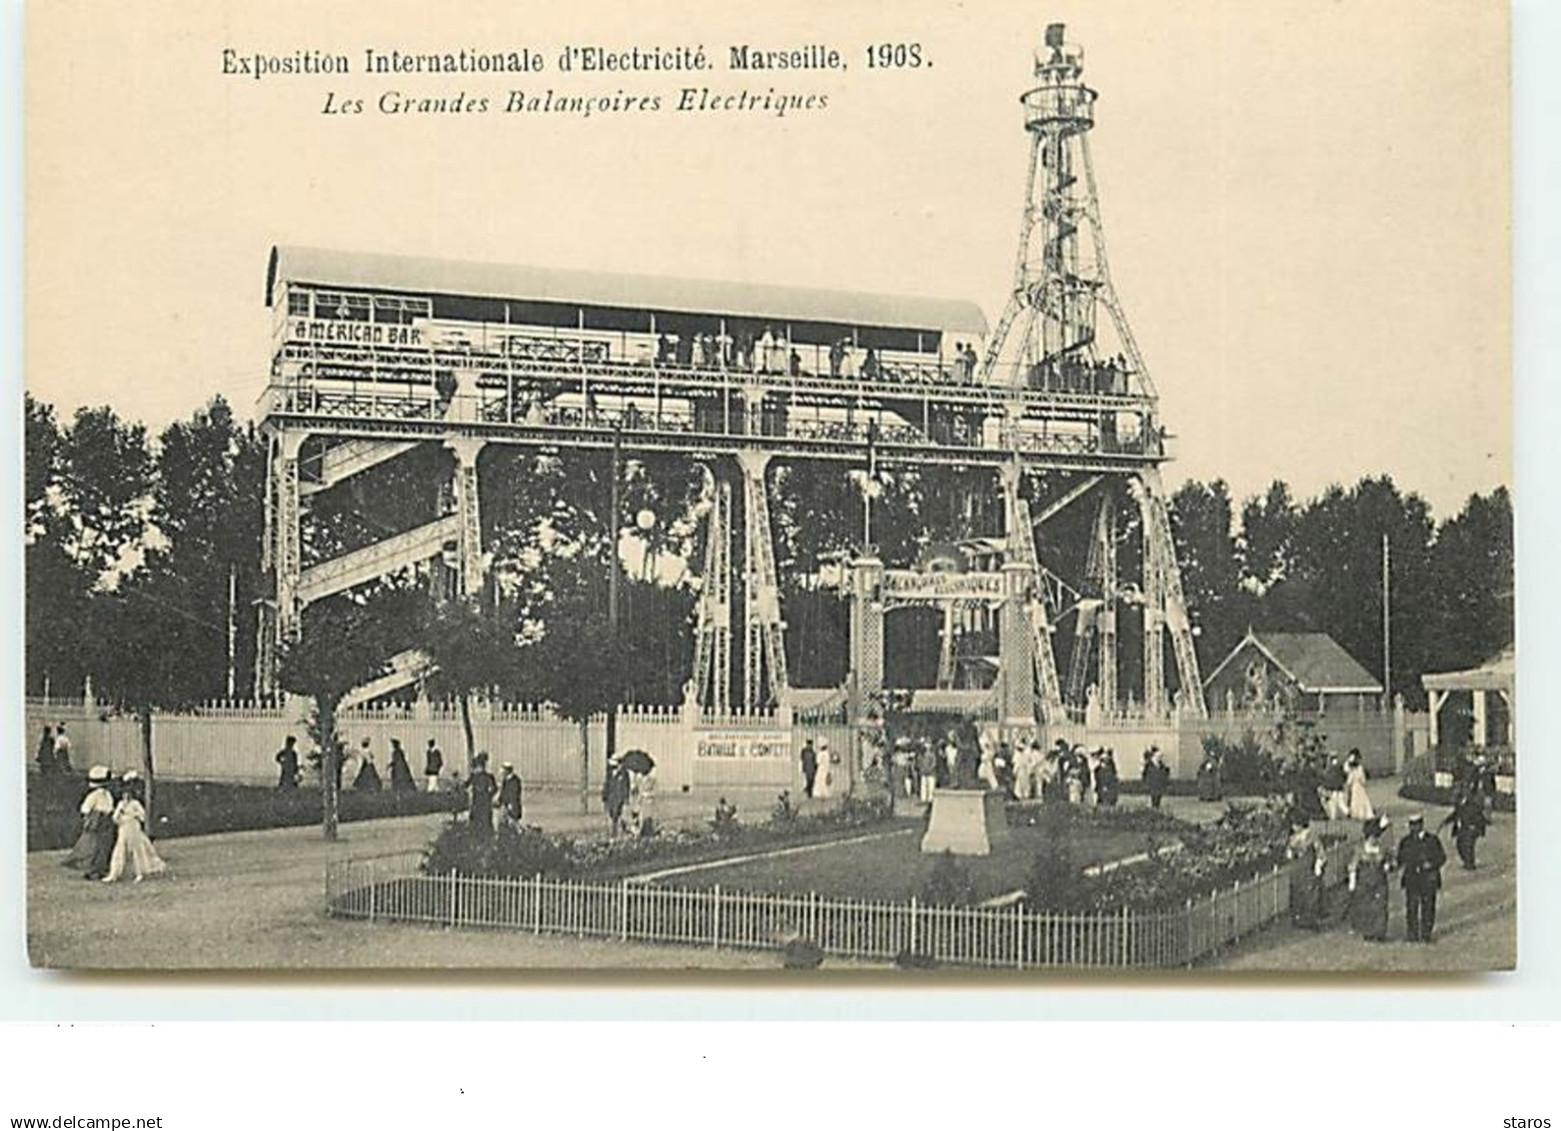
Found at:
[105, 479]
[344, 644]
[1472, 571]
[1211, 568]
[470, 651]
[1267, 532]
[207, 509]
[140, 635]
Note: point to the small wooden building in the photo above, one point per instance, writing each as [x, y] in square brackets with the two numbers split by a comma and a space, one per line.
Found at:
[1294, 671]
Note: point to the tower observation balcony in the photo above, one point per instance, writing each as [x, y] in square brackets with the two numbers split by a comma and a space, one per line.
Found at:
[390, 348]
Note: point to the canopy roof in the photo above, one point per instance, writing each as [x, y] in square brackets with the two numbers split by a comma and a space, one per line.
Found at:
[416, 275]
[1314, 661]
[1496, 674]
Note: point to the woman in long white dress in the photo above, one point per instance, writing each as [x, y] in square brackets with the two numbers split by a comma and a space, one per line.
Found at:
[826, 771]
[1357, 804]
[133, 846]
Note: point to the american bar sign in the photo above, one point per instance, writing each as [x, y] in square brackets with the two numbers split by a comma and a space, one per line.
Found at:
[734, 744]
[321, 331]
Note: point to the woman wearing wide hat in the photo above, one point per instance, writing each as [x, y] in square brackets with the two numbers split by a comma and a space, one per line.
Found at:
[92, 848]
[132, 847]
[1368, 883]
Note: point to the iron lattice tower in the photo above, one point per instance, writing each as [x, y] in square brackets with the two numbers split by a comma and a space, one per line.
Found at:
[1064, 330]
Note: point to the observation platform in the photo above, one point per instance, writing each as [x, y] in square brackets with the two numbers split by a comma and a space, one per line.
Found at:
[390, 348]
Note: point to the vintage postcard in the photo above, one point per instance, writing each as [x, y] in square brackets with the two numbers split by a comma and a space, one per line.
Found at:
[932, 487]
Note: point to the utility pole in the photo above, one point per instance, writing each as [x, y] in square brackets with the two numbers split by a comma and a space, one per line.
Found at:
[232, 627]
[612, 597]
[1387, 629]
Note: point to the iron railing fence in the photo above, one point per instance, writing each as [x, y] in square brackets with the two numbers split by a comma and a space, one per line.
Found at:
[395, 889]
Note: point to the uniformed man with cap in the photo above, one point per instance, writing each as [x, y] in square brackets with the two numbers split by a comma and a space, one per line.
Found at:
[1420, 856]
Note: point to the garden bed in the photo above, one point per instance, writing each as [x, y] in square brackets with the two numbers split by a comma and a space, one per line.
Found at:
[196, 808]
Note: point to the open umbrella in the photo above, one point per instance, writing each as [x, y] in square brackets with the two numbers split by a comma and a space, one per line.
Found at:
[638, 762]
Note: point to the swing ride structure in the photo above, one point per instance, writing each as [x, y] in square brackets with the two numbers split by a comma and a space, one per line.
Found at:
[377, 357]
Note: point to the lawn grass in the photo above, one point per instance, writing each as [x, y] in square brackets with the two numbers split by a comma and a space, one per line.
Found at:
[194, 808]
[891, 866]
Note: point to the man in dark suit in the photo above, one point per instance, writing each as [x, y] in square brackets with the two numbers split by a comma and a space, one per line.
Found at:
[1420, 856]
[809, 767]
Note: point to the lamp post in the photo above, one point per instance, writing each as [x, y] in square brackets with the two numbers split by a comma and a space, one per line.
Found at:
[612, 601]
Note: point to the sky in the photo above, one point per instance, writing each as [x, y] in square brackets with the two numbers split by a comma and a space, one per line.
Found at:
[1305, 204]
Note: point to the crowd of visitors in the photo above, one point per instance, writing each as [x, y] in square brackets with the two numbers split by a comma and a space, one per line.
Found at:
[769, 351]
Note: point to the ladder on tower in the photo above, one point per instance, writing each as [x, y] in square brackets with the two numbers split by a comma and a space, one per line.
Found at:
[763, 633]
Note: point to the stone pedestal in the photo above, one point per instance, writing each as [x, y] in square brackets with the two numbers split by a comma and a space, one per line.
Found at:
[966, 822]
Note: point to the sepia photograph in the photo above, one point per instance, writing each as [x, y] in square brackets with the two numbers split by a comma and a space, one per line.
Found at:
[898, 493]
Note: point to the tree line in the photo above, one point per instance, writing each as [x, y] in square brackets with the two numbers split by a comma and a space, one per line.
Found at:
[143, 566]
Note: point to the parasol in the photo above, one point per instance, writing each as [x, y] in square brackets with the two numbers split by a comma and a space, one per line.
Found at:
[638, 762]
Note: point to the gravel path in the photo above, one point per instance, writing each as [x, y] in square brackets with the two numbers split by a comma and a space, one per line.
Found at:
[253, 900]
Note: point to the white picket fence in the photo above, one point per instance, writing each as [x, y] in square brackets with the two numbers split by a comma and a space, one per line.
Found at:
[237, 742]
[395, 889]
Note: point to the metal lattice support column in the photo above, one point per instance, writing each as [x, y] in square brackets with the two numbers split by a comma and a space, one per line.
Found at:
[764, 641]
[287, 545]
[1154, 554]
[866, 636]
[1022, 553]
[469, 538]
[1173, 603]
[713, 635]
[1022, 637]
[1106, 617]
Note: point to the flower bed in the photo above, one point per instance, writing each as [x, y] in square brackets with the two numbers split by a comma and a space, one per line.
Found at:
[1248, 840]
[529, 851]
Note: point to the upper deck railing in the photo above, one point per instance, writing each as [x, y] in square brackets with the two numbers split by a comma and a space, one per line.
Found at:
[386, 410]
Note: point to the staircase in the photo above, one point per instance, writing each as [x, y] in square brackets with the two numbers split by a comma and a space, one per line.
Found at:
[374, 561]
[763, 631]
[344, 460]
[405, 668]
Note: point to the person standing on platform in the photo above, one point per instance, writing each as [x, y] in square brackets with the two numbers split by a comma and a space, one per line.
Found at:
[433, 766]
[809, 767]
[287, 763]
[1421, 856]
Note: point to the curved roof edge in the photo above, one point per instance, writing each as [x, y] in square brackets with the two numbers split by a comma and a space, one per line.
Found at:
[325, 267]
